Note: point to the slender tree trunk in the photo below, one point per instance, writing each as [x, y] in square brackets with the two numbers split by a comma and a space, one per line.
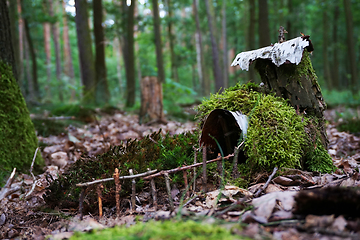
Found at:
[289, 29]
[225, 50]
[13, 14]
[130, 56]
[136, 44]
[102, 90]
[200, 52]
[174, 73]
[158, 44]
[251, 36]
[33, 59]
[264, 31]
[117, 50]
[68, 64]
[215, 51]
[335, 68]
[30, 96]
[327, 74]
[56, 37]
[87, 67]
[21, 49]
[47, 46]
[351, 45]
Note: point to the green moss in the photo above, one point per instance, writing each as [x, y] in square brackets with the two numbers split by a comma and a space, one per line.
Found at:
[162, 230]
[305, 68]
[17, 134]
[319, 160]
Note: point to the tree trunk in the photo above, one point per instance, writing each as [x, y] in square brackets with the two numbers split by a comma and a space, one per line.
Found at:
[351, 45]
[13, 14]
[151, 100]
[225, 51]
[47, 46]
[174, 72]
[200, 52]
[215, 51]
[102, 90]
[33, 57]
[158, 44]
[264, 31]
[335, 65]
[289, 29]
[30, 92]
[87, 68]
[17, 136]
[129, 55]
[56, 37]
[325, 45]
[68, 64]
[251, 35]
[21, 48]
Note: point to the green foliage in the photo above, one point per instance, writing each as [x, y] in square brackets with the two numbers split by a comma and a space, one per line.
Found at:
[161, 230]
[82, 113]
[17, 135]
[46, 127]
[319, 160]
[154, 151]
[345, 97]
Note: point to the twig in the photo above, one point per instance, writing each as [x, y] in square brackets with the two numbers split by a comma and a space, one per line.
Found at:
[5, 191]
[194, 169]
[120, 178]
[167, 181]
[81, 202]
[231, 207]
[153, 192]
[266, 184]
[190, 200]
[186, 183]
[185, 168]
[117, 191]
[235, 172]
[98, 192]
[133, 191]
[27, 196]
[204, 179]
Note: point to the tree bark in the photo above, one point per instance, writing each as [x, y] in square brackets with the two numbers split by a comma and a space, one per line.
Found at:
[56, 37]
[225, 50]
[351, 45]
[129, 55]
[200, 52]
[158, 43]
[215, 51]
[14, 17]
[264, 31]
[47, 46]
[68, 64]
[174, 72]
[32, 53]
[87, 68]
[251, 36]
[21, 48]
[18, 140]
[335, 65]
[102, 90]
[325, 45]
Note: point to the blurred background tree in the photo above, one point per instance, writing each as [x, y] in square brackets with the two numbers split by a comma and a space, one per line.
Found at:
[96, 52]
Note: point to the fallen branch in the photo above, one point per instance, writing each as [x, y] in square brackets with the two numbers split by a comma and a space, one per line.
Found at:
[111, 179]
[27, 196]
[167, 181]
[186, 167]
[5, 191]
[266, 184]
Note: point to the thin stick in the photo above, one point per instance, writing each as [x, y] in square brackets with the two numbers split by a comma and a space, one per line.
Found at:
[190, 200]
[120, 178]
[235, 172]
[133, 191]
[153, 193]
[5, 191]
[11, 179]
[117, 191]
[98, 191]
[186, 167]
[81, 202]
[186, 183]
[27, 196]
[267, 183]
[194, 169]
[167, 181]
[204, 180]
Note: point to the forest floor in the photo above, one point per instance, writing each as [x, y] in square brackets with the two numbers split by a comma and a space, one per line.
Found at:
[283, 210]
